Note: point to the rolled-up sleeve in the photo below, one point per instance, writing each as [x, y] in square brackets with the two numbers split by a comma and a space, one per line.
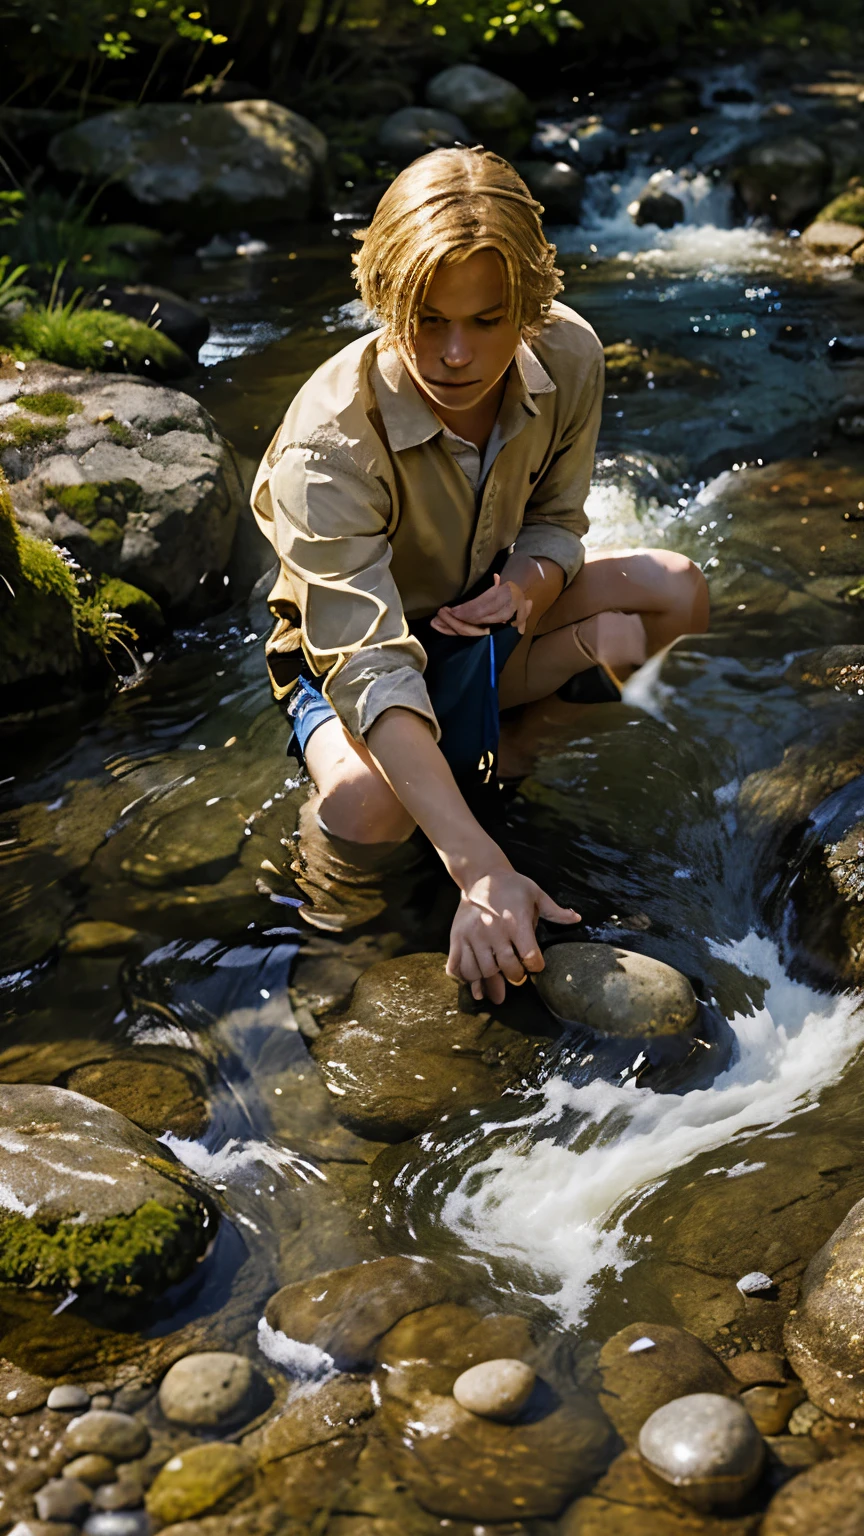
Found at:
[555, 520]
[330, 529]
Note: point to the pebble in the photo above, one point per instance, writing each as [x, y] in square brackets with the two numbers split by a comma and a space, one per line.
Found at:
[19, 1391]
[67, 1398]
[756, 1369]
[770, 1407]
[192, 1482]
[121, 1522]
[704, 1446]
[126, 1493]
[804, 1418]
[108, 1433]
[91, 1469]
[756, 1283]
[495, 1389]
[44, 1528]
[209, 1389]
[101, 1401]
[64, 1498]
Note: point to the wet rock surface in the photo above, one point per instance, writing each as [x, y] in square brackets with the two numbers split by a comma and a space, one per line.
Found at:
[154, 1095]
[616, 992]
[196, 1480]
[204, 1390]
[409, 1049]
[495, 1389]
[629, 1501]
[107, 1208]
[19, 1391]
[135, 481]
[413, 131]
[250, 161]
[704, 1446]
[826, 1500]
[345, 1312]
[313, 1416]
[648, 1365]
[824, 1336]
[784, 177]
[105, 1432]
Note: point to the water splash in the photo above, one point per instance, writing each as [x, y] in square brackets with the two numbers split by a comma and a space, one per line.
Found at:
[559, 1210]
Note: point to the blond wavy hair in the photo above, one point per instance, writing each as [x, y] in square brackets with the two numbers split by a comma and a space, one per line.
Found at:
[441, 209]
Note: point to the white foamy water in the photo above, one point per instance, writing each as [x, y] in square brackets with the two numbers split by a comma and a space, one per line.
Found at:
[560, 1210]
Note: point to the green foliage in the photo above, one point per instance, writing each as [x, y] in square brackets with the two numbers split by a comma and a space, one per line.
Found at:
[11, 287]
[51, 402]
[128, 1255]
[465, 23]
[46, 231]
[78, 337]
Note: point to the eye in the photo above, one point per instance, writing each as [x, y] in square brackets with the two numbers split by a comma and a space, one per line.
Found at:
[496, 320]
[430, 320]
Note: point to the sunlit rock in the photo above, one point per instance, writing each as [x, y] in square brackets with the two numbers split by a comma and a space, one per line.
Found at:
[616, 992]
[706, 1447]
[410, 1048]
[21, 1392]
[318, 1414]
[454, 1338]
[89, 1202]
[195, 1480]
[630, 367]
[214, 166]
[105, 1432]
[771, 1408]
[825, 1500]
[346, 1311]
[555, 184]
[493, 108]
[830, 237]
[783, 177]
[825, 1335]
[413, 131]
[149, 1089]
[637, 1383]
[213, 1388]
[629, 1501]
[495, 1389]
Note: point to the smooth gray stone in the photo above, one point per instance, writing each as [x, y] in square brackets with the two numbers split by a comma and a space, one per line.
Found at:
[108, 1433]
[120, 1522]
[66, 1398]
[209, 1389]
[495, 1389]
[64, 1498]
[704, 1446]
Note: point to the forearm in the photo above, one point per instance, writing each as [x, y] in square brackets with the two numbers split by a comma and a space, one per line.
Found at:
[541, 580]
[418, 773]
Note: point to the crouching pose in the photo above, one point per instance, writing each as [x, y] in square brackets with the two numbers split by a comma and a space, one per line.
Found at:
[425, 495]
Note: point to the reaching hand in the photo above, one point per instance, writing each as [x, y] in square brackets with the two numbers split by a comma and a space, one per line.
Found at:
[504, 602]
[493, 937]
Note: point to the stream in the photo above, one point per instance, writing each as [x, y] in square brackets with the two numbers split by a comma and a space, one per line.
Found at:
[579, 1201]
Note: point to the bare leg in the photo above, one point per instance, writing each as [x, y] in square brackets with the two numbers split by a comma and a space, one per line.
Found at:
[622, 607]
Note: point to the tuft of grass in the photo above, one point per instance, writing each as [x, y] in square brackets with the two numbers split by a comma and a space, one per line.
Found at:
[92, 338]
[121, 434]
[50, 402]
[44, 230]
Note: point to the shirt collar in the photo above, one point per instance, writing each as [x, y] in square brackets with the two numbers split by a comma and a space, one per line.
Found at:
[409, 421]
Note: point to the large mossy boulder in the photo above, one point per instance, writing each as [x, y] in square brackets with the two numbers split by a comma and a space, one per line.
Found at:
[216, 166]
[132, 478]
[410, 1047]
[90, 1203]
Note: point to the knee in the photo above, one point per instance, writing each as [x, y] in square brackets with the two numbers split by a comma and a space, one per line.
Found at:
[684, 589]
[363, 809]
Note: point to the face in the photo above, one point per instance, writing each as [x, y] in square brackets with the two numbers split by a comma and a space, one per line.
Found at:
[464, 341]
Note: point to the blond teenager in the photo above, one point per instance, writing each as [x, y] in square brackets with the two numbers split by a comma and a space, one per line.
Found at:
[425, 495]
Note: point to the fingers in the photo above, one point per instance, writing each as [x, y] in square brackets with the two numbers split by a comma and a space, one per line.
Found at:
[549, 908]
[457, 625]
[509, 964]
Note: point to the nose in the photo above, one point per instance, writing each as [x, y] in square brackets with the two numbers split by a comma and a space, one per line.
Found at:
[457, 351]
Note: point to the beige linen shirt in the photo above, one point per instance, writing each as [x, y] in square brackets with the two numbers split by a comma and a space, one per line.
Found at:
[377, 525]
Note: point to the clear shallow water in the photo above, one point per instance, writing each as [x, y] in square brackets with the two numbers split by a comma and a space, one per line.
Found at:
[168, 813]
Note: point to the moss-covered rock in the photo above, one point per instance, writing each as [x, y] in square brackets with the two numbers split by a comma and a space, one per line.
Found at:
[91, 1203]
[93, 338]
[847, 208]
[38, 603]
[138, 608]
[197, 1480]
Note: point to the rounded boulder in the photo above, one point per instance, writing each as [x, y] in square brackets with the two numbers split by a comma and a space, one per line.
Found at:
[615, 992]
[704, 1446]
[495, 1389]
[211, 1388]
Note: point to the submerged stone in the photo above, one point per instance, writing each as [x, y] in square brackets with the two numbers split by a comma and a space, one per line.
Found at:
[410, 1048]
[629, 1501]
[19, 1391]
[91, 1203]
[495, 1389]
[636, 1384]
[346, 1311]
[615, 992]
[63, 1498]
[314, 1416]
[825, 1336]
[196, 1480]
[454, 1338]
[704, 1446]
[770, 1408]
[91, 1469]
[105, 1432]
[825, 1500]
[211, 1388]
[152, 1093]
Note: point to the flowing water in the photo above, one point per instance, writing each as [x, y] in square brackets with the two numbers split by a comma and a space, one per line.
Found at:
[159, 813]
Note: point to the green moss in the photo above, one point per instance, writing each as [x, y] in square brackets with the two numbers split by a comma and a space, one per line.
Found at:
[51, 402]
[106, 531]
[97, 501]
[126, 1255]
[91, 338]
[38, 627]
[848, 208]
[25, 433]
[121, 434]
[629, 367]
[80, 500]
[133, 605]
